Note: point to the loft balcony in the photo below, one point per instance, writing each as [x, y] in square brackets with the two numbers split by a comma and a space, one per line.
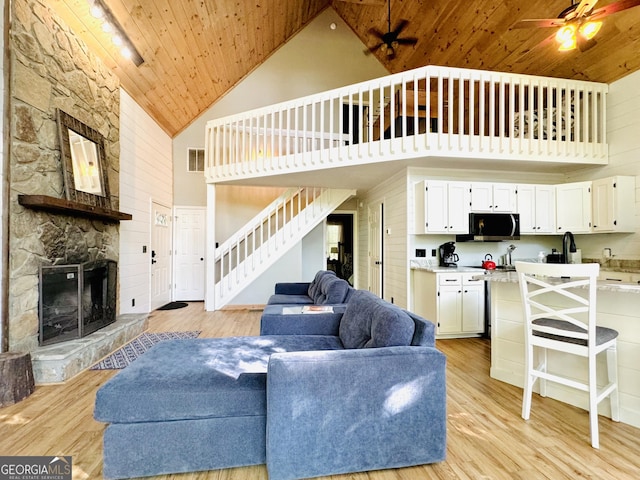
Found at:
[419, 117]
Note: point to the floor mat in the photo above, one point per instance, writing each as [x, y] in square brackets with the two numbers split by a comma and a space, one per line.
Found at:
[136, 347]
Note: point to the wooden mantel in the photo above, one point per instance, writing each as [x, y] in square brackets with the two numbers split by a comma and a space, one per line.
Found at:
[60, 205]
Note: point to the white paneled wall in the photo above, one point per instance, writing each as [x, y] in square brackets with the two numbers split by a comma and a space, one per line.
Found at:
[623, 128]
[146, 175]
[393, 193]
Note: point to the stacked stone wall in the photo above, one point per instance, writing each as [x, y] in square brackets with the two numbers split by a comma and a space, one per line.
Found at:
[51, 68]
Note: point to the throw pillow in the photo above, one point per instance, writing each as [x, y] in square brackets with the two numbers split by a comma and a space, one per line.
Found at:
[370, 322]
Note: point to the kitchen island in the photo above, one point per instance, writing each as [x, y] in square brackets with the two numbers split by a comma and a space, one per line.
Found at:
[618, 307]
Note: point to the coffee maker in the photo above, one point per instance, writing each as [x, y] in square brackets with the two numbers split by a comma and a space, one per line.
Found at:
[447, 256]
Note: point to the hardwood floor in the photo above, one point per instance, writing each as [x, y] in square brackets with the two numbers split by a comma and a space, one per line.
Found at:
[487, 439]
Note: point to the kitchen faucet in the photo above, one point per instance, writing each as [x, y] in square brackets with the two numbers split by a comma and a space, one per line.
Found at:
[507, 257]
[568, 245]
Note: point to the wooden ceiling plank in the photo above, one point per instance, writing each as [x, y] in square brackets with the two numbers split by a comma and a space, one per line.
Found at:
[198, 50]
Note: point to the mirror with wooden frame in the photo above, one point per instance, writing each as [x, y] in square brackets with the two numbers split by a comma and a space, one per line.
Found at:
[83, 162]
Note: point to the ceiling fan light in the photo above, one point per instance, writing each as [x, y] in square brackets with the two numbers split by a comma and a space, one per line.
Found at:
[569, 44]
[565, 34]
[588, 30]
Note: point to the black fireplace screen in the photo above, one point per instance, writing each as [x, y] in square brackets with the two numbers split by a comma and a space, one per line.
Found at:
[76, 300]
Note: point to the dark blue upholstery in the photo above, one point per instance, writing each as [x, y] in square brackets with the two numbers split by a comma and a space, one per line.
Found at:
[370, 322]
[355, 410]
[325, 289]
[222, 376]
[274, 321]
[302, 403]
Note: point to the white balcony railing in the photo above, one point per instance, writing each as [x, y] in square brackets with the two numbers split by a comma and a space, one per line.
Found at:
[429, 111]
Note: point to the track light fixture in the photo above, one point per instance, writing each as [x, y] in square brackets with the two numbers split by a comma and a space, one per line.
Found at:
[111, 26]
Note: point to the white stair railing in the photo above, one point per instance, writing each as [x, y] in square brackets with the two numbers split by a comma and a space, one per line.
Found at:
[269, 235]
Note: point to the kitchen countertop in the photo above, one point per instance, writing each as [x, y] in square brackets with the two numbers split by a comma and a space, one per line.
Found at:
[603, 285]
[439, 269]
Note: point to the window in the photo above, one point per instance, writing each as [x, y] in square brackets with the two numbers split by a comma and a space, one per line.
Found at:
[195, 160]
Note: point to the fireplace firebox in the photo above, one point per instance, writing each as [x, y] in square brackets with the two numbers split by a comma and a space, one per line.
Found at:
[76, 300]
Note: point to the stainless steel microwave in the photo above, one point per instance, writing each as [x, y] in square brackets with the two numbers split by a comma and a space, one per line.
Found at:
[492, 227]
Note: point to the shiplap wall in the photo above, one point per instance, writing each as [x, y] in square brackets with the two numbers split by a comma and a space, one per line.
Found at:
[623, 133]
[146, 175]
[393, 193]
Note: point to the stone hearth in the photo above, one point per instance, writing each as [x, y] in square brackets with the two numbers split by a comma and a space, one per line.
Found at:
[61, 361]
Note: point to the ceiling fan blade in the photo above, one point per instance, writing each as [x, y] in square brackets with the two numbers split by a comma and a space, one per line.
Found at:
[614, 8]
[583, 9]
[407, 41]
[366, 2]
[374, 49]
[540, 23]
[400, 27]
[376, 32]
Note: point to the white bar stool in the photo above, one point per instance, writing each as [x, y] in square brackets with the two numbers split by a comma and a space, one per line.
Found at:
[557, 318]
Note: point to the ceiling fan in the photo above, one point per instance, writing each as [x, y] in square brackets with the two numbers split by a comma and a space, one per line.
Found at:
[390, 41]
[579, 23]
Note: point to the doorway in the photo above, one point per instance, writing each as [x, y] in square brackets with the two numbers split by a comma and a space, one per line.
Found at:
[160, 255]
[340, 245]
[189, 259]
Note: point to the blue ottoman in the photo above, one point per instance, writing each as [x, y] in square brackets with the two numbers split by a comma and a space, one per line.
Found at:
[193, 404]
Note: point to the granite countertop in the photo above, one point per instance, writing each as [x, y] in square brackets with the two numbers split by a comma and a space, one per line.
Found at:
[448, 269]
[512, 277]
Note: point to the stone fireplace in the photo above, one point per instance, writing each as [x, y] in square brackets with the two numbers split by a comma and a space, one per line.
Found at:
[52, 69]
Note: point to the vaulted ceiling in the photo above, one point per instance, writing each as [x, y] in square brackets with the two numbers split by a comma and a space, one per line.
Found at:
[196, 50]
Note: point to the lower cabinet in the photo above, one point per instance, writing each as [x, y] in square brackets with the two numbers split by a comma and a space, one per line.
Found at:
[453, 301]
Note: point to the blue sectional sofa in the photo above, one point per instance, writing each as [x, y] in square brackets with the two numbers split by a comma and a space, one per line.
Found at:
[325, 289]
[368, 396]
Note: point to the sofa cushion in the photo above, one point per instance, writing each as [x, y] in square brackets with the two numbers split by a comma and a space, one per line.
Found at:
[314, 286]
[333, 290]
[370, 322]
[198, 378]
[286, 299]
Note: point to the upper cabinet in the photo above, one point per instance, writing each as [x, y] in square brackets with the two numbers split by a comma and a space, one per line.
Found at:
[493, 197]
[442, 207]
[606, 205]
[573, 207]
[537, 209]
[613, 199]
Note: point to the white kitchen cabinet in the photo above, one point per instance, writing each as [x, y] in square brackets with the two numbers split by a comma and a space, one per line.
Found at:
[612, 201]
[442, 207]
[573, 207]
[453, 301]
[537, 209]
[493, 197]
[472, 304]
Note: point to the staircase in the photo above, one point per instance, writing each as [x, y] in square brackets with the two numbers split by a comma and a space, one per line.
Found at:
[269, 235]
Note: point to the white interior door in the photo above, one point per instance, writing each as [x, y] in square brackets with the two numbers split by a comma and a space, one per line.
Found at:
[190, 234]
[375, 249]
[160, 255]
